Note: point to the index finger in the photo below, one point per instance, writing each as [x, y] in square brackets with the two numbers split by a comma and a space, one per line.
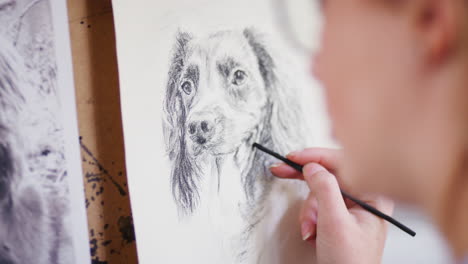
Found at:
[328, 158]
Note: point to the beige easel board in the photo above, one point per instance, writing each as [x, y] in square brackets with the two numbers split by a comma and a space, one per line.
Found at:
[97, 91]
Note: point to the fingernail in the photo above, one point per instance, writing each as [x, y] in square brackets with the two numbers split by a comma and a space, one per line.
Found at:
[292, 154]
[279, 164]
[306, 231]
[311, 169]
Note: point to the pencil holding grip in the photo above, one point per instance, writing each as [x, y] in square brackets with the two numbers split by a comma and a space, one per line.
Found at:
[364, 205]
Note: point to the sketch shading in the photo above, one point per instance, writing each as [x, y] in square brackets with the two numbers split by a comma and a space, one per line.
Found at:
[34, 195]
[224, 92]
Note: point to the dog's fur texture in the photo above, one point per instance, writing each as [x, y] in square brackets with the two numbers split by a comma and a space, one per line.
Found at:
[29, 232]
[260, 110]
[225, 92]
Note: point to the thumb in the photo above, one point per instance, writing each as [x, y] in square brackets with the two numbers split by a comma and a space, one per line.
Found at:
[331, 206]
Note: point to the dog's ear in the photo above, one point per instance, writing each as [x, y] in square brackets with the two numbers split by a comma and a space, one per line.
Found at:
[173, 105]
[6, 170]
[11, 103]
[266, 63]
[12, 85]
[284, 110]
[184, 172]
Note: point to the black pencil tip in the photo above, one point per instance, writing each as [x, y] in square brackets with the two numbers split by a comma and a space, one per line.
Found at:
[254, 145]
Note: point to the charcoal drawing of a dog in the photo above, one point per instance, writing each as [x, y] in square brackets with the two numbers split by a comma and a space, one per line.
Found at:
[225, 92]
[27, 234]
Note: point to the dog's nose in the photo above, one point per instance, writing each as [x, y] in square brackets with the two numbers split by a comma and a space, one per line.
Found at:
[200, 131]
[200, 127]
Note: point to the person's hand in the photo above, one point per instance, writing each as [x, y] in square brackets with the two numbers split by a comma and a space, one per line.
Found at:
[340, 231]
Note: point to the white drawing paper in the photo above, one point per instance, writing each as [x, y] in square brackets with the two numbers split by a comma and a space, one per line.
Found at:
[201, 81]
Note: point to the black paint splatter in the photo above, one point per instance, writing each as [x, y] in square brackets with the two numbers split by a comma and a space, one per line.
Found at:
[102, 169]
[125, 224]
[93, 247]
[97, 261]
[107, 242]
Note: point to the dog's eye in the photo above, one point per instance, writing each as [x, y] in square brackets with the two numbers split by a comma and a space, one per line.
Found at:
[187, 87]
[239, 77]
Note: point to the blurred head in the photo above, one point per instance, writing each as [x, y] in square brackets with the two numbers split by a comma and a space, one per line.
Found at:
[395, 76]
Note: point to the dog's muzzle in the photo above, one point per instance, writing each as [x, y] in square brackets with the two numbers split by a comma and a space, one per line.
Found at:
[201, 129]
